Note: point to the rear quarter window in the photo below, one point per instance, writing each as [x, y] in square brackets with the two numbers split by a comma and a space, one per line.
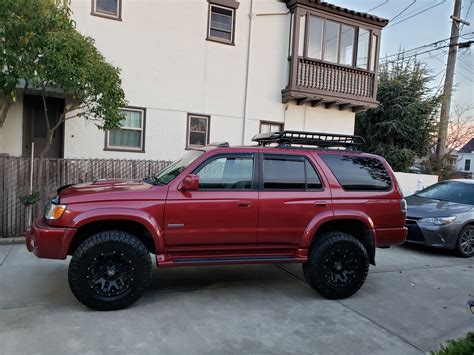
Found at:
[356, 173]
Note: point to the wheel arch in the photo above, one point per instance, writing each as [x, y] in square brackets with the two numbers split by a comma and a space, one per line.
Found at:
[358, 225]
[139, 223]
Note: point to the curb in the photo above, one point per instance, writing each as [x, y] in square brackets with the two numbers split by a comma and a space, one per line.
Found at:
[12, 240]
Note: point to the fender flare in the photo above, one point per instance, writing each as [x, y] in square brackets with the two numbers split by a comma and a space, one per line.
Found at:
[123, 214]
[322, 218]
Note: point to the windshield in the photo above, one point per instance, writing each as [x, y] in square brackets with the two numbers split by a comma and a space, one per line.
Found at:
[165, 176]
[453, 191]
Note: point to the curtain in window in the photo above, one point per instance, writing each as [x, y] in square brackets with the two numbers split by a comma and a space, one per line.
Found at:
[130, 135]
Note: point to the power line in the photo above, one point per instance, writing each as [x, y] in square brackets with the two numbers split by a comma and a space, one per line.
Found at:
[405, 9]
[466, 15]
[376, 7]
[416, 14]
[424, 46]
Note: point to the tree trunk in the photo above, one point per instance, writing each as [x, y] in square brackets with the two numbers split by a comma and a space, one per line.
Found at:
[6, 101]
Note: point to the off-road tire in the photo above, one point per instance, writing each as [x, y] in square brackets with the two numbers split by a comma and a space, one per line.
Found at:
[327, 253]
[460, 248]
[127, 255]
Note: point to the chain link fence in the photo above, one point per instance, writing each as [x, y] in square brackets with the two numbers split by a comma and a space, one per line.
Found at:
[15, 178]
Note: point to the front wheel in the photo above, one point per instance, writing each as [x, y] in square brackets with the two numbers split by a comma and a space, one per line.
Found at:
[337, 265]
[110, 270]
[465, 242]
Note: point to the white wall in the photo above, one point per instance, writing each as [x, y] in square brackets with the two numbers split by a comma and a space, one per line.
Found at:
[11, 134]
[169, 68]
[411, 183]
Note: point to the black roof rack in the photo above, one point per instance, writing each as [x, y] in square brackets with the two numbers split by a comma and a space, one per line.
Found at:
[323, 140]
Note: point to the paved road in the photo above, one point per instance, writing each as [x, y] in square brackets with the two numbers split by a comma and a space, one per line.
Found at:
[413, 300]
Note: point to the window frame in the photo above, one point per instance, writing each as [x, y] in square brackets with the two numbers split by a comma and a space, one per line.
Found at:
[355, 25]
[108, 147]
[188, 130]
[292, 157]
[281, 124]
[108, 15]
[466, 163]
[253, 155]
[226, 5]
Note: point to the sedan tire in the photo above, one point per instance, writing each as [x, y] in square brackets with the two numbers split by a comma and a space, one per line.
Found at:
[465, 242]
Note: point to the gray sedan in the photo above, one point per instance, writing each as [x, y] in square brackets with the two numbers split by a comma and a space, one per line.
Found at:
[442, 216]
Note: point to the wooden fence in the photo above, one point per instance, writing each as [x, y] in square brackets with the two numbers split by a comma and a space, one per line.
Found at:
[15, 182]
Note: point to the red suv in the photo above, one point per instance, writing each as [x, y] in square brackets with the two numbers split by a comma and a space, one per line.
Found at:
[292, 198]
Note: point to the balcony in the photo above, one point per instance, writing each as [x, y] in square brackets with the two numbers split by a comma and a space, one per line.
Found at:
[333, 56]
[332, 85]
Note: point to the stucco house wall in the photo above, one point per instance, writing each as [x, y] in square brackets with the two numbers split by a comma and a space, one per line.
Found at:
[170, 69]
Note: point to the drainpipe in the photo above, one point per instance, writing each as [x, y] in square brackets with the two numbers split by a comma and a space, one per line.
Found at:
[252, 16]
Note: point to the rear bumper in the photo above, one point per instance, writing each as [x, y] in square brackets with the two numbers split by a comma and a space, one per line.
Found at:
[390, 236]
[48, 242]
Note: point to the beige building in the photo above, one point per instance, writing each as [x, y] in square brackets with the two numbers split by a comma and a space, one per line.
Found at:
[197, 71]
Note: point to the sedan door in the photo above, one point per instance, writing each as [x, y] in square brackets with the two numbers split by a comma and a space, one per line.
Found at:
[223, 211]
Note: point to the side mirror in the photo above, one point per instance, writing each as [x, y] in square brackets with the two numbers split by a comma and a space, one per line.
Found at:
[190, 183]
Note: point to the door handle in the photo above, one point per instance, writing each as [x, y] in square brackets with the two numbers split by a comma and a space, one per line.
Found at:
[244, 204]
[320, 204]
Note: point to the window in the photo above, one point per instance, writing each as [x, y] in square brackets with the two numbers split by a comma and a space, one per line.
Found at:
[198, 131]
[356, 173]
[331, 41]
[267, 127]
[363, 49]
[315, 41]
[346, 51]
[467, 165]
[373, 52]
[168, 174]
[288, 172]
[107, 8]
[335, 42]
[227, 172]
[131, 136]
[222, 21]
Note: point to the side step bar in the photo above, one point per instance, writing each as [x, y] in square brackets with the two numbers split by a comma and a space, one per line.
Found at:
[180, 261]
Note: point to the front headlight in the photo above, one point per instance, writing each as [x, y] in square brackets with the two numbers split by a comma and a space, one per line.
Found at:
[54, 211]
[439, 221]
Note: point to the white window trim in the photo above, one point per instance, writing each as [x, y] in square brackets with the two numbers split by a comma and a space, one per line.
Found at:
[142, 136]
[188, 131]
[218, 39]
[116, 16]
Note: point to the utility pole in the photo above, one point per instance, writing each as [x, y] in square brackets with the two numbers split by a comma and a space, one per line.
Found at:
[448, 81]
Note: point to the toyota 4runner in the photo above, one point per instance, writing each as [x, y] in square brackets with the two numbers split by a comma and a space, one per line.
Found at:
[295, 197]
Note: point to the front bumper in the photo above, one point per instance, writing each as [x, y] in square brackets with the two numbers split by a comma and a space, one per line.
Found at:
[48, 242]
[433, 235]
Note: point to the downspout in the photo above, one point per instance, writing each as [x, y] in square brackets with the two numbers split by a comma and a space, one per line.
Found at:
[252, 16]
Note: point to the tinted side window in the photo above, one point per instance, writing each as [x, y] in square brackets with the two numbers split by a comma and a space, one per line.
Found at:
[289, 173]
[226, 172]
[358, 173]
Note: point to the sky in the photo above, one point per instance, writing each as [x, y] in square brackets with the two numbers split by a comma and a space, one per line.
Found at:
[425, 28]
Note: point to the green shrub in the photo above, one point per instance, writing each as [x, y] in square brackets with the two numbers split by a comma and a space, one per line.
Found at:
[464, 346]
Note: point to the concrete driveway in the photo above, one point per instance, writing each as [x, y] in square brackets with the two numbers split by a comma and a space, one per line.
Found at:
[412, 301]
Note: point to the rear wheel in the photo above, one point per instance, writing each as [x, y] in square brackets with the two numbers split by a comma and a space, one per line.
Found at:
[110, 270]
[465, 242]
[337, 265]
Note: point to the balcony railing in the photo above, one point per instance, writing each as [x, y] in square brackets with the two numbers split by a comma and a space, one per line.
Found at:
[332, 84]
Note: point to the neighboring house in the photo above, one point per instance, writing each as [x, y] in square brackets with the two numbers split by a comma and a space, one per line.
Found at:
[199, 71]
[465, 161]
